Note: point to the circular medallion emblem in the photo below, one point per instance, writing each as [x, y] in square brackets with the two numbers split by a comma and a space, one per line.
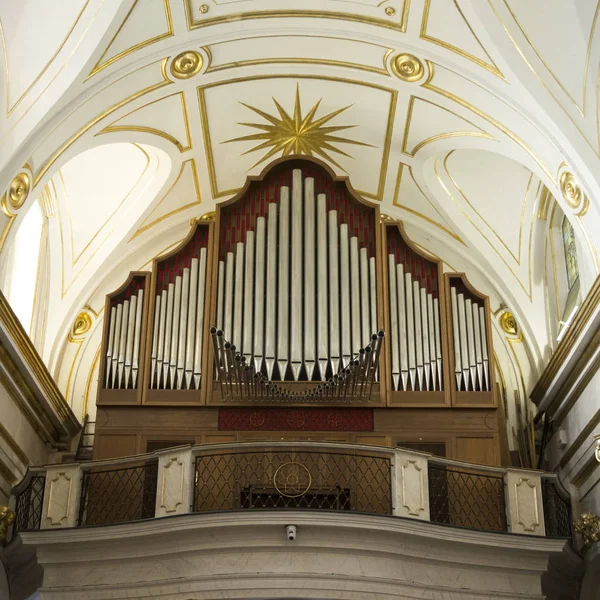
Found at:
[257, 419]
[295, 420]
[334, 420]
[292, 479]
[407, 67]
[186, 64]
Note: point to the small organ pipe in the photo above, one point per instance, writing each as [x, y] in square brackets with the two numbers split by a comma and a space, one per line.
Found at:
[418, 333]
[129, 340]
[394, 321]
[199, 334]
[154, 340]
[456, 338]
[283, 290]
[137, 336]
[297, 287]
[484, 349]
[425, 333]
[364, 298]
[109, 346]
[259, 303]
[238, 296]
[438, 342]
[345, 294]
[373, 294]
[116, 344]
[220, 293]
[431, 333]
[478, 354]
[471, 342]
[410, 326]
[400, 280]
[175, 331]
[191, 322]
[161, 337]
[168, 334]
[462, 330]
[322, 310]
[228, 307]
[183, 322]
[271, 306]
[310, 354]
[249, 296]
[122, 343]
[356, 342]
[334, 292]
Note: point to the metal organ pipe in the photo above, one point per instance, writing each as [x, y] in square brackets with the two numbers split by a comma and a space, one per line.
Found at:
[122, 343]
[129, 340]
[259, 305]
[393, 290]
[283, 300]
[191, 323]
[183, 327]
[168, 333]
[456, 338]
[109, 346]
[400, 281]
[297, 283]
[309, 277]
[334, 292]
[271, 306]
[322, 311]
[345, 294]
[238, 297]
[248, 296]
[199, 331]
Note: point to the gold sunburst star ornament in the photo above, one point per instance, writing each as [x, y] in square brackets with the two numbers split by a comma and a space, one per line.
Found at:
[297, 134]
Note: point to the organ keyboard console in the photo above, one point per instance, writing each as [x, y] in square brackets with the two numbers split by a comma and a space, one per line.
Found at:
[297, 293]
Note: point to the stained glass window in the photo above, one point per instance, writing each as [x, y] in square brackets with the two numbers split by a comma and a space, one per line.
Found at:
[568, 236]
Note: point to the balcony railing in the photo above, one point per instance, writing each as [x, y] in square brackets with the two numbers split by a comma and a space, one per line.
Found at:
[299, 476]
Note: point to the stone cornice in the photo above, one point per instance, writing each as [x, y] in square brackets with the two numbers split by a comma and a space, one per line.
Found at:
[579, 345]
[29, 382]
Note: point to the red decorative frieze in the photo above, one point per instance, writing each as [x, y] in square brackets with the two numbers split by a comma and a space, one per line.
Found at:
[295, 419]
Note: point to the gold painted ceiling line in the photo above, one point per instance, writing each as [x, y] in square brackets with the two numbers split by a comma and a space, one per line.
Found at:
[46, 166]
[99, 66]
[492, 68]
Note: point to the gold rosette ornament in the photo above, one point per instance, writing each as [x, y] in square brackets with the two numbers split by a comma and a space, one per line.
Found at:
[186, 64]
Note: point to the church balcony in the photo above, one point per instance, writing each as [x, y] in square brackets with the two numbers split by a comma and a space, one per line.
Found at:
[303, 476]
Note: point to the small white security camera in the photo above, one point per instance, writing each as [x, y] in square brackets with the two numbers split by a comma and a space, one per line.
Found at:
[290, 531]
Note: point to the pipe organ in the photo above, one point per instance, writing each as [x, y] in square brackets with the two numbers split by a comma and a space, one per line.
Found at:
[295, 292]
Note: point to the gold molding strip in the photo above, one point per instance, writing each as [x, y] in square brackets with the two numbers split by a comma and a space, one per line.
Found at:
[566, 345]
[492, 68]
[61, 411]
[99, 66]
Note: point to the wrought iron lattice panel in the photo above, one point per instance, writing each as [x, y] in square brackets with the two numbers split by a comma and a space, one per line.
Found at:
[118, 495]
[557, 511]
[293, 479]
[466, 498]
[29, 504]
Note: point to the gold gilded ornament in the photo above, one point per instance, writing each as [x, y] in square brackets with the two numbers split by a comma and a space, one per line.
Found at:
[570, 190]
[82, 324]
[292, 479]
[407, 67]
[209, 216]
[7, 518]
[297, 134]
[19, 190]
[383, 218]
[390, 11]
[186, 64]
[508, 323]
[588, 526]
[204, 8]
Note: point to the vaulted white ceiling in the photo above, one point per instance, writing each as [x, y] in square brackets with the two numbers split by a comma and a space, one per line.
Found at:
[126, 152]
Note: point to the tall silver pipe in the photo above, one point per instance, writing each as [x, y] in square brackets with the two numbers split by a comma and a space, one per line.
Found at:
[122, 343]
[228, 306]
[418, 333]
[129, 341]
[154, 340]
[355, 295]
[464, 348]
[161, 337]
[431, 334]
[373, 293]
[220, 294]
[456, 339]
[183, 326]
[238, 296]
[425, 334]
[484, 349]
[334, 292]
[259, 302]
[109, 346]
[393, 291]
[410, 329]
[137, 336]
[297, 287]
[199, 333]
[310, 276]
[345, 294]
[478, 354]
[402, 329]
[471, 342]
[248, 338]
[365, 318]
[438, 342]
[191, 322]
[168, 333]
[271, 305]
[283, 291]
[322, 312]
[175, 331]
[116, 344]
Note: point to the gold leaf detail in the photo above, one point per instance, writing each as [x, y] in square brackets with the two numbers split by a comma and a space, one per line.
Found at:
[570, 190]
[82, 324]
[186, 64]
[407, 67]
[588, 526]
[19, 190]
[508, 323]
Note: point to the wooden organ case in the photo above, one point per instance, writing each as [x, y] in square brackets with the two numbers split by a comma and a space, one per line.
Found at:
[295, 313]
